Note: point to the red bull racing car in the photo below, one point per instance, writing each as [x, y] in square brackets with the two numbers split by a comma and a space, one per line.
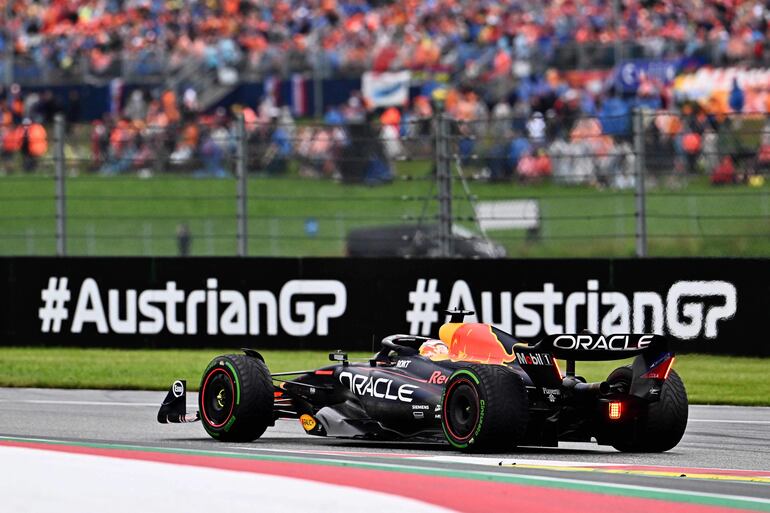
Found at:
[475, 386]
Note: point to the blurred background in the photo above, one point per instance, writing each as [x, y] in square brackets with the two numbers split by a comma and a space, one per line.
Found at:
[469, 128]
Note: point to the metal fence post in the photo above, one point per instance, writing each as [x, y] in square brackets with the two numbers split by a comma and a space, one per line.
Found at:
[59, 176]
[8, 56]
[640, 194]
[617, 23]
[444, 179]
[319, 73]
[242, 190]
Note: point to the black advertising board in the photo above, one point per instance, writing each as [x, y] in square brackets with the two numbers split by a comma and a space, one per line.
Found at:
[702, 305]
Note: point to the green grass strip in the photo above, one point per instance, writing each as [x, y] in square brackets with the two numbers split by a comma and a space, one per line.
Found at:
[686, 217]
[709, 379]
[616, 489]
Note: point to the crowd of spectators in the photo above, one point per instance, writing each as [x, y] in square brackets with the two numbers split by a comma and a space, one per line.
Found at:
[155, 131]
[22, 128]
[547, 128]
[544, 129]
[472, 38]
[167, 134]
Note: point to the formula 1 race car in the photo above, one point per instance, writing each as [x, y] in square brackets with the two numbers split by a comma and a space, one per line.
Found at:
[476, 387]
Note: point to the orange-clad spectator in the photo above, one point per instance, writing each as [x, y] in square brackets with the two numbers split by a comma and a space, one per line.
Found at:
[422, 107]
[429, 54]
[390, 132]
[170, 107]
[11, 140]
[231, 7]
[328, 6]
[534, 167]
[33, 144]
[250, 119]
[391, 116]
[9, 145]
[6, 117]
[188, 143]
[502, 64]
[100, 60]
[190, 135]
[451, 101]
[156, 117]
[38, 140]
[120, 137]
[466, 108]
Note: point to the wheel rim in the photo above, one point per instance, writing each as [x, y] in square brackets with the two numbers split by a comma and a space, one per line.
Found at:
[461, 409]
[217, 398]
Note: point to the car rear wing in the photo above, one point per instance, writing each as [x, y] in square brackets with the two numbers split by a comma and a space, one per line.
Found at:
[595, 347]
[651, 365]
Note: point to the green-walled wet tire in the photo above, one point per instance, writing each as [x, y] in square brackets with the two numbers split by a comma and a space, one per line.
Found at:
[661, 425]
[236, 398]
[484, 408]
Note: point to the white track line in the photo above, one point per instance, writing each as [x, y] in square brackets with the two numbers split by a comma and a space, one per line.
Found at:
[508, 461]
[330, 452]
[78, 403]
[469, 460]
[726, 421]
[513, 462]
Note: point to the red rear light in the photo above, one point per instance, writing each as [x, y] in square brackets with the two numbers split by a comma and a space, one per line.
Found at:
[615, 410]
[660, 370]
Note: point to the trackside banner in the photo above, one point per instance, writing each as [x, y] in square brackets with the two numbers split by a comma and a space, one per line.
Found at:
[702, 305]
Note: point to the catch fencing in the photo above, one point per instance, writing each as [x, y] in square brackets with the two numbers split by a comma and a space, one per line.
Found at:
[641, 183]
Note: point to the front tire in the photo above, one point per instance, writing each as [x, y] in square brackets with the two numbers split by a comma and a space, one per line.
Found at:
[484, 408]
[660, 425]
[236, 398]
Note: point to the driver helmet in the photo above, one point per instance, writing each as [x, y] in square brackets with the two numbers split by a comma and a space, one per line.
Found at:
[435, 350]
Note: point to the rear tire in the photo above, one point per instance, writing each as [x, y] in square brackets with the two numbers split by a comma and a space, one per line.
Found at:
[661, 425]
[484, 408]
[236, 398]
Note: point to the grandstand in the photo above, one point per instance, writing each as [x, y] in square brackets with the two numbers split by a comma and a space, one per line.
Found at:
[73, 40]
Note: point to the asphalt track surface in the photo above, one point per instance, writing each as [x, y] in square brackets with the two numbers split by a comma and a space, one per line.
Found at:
[718, 440]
